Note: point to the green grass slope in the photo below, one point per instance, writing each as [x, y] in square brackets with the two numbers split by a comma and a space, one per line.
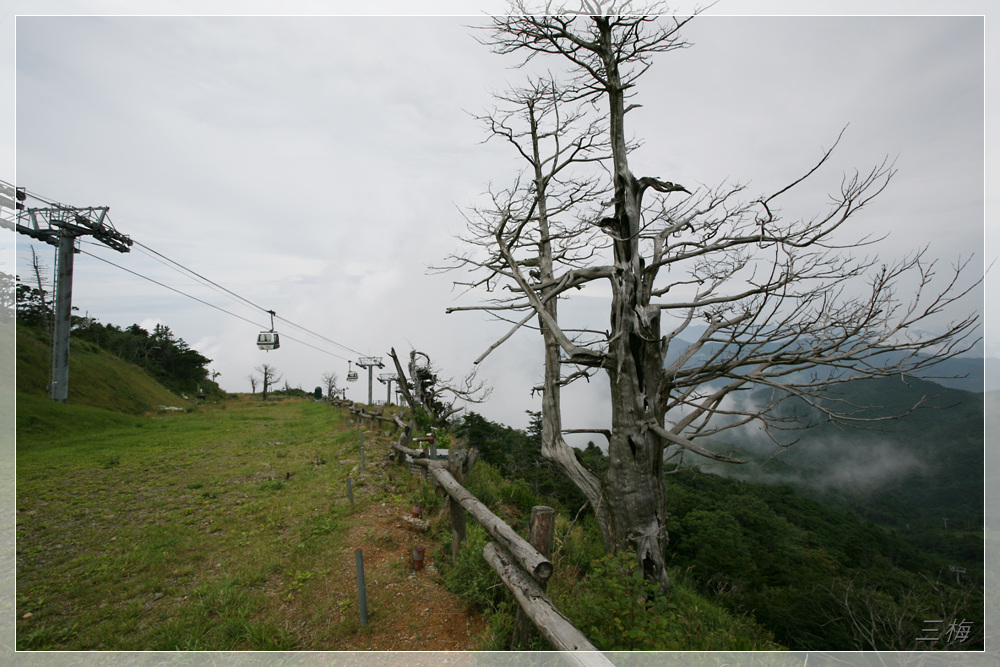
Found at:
[96, 378]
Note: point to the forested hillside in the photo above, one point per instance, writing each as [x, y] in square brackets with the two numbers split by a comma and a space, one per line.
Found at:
[171, 368]
[97, 378]
[814, 575]
[921, 474]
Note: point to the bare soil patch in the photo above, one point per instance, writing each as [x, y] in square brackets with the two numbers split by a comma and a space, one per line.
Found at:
[408, 610]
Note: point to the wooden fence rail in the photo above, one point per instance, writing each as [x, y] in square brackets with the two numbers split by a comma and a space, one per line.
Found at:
[551, 623]
[522, 568]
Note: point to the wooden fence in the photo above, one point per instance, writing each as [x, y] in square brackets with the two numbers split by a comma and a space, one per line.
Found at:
[521, 564]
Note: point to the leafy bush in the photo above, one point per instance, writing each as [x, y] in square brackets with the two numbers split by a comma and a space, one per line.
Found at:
[484, 482]
[425, 496]
[503, 496]
[577, 546]
[471, 577]
[520, 495]
[619, 610]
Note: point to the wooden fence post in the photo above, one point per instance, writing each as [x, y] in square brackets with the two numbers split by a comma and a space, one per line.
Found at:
[457, 458]
[525, 554]
[524, 566]
[541, 536]
[404, 438]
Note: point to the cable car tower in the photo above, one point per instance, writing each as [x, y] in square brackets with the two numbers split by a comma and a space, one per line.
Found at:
[61, 226]
[268, 340]
[369, 363]
[387, 379]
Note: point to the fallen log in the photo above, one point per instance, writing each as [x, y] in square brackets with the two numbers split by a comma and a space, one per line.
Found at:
[551, 623]
[412, 453]
[535, 563]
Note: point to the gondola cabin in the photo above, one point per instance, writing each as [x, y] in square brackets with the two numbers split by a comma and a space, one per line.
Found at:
[268, 340]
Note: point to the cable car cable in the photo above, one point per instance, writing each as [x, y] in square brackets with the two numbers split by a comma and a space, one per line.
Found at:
[341, 345]
[172, 265]
[195, 273]
[51, 202]
[247, 301]
[174, 289]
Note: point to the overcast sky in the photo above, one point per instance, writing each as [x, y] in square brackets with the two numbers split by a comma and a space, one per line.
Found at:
[317, 165]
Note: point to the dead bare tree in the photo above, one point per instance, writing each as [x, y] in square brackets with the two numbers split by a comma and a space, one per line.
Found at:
[777, 297]
[932, 616]
[330, 383]
[534, 230]
[253, 383]
[427, 392]
[269, 376]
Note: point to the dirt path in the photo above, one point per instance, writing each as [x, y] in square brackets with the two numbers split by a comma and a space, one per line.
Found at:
[407, 610]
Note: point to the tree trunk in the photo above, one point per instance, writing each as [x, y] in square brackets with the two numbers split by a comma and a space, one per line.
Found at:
[554, 447]
[635, 490]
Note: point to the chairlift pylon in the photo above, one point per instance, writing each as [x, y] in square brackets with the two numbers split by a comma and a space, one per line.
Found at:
[268, 340]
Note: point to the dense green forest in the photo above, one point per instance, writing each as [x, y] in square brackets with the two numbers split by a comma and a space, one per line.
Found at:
[817, 577]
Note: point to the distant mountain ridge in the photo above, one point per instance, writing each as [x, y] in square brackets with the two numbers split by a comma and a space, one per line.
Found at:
[915, 471]
[965, 373]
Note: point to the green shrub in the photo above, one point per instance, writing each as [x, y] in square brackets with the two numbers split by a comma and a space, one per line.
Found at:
[577, 546]
[503, 496]
[484, 482]
[425, 496]
[619, 610]
[471, 577]
[520, 495]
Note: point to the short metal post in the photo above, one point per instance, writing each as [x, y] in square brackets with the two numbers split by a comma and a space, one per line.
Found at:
[359, 565]
[361, 442]
[418, 557]
[350, 493]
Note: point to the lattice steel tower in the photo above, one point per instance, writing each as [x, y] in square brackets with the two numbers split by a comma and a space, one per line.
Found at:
[61, 226]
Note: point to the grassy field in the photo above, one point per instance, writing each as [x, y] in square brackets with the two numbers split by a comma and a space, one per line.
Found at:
[224, 527]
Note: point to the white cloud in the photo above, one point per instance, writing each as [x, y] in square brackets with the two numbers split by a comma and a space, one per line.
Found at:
[150, 324]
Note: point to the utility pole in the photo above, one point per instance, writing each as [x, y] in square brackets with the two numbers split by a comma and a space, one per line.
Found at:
[386, 379]
[61, 226]
[369, 363]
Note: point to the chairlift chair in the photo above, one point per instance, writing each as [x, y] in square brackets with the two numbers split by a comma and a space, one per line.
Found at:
[352, 376]
[268, 340]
